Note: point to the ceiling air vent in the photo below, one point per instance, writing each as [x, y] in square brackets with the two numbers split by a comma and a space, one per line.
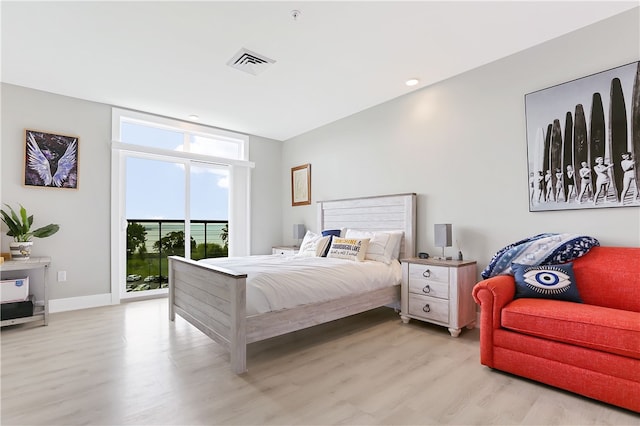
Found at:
[251, 62]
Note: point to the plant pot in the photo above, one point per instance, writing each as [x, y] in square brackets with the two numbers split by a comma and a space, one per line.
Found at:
[20, 250]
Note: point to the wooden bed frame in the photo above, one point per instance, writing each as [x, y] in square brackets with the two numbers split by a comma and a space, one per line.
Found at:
[213, 299]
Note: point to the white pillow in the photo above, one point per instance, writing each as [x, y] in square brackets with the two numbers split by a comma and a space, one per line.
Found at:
[313, 245]
[348, 248]
[384, 246]
[398, 236]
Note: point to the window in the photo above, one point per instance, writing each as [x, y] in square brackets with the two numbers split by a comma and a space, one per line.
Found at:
[173, 182]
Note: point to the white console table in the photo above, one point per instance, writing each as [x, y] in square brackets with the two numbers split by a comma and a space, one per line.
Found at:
[40, 313]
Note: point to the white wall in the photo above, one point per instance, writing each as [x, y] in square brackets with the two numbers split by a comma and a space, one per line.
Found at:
[266, 194]
[461, 146]
[81, 247]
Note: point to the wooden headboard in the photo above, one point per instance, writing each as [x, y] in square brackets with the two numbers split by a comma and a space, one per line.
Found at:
[379, 213]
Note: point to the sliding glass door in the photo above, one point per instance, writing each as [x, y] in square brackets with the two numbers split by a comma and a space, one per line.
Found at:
[155, 213]
[174, 185]
[169, 202]
[209, 210]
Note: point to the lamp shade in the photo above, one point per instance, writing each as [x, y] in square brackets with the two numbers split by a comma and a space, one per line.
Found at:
[298, 231]
[442, 234]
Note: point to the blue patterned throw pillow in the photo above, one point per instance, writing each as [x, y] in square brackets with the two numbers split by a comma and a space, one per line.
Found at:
[546, 282]
[541, 249]
[330, 233]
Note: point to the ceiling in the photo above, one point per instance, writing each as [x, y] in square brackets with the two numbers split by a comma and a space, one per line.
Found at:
[334, 60]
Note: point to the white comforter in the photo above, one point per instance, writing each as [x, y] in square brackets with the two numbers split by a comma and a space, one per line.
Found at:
[281, 282]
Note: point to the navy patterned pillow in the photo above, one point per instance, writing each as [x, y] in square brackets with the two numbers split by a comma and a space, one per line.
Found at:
[331, 233]
[546, 282]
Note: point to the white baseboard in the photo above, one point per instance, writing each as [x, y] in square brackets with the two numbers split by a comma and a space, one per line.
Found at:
[82, 302]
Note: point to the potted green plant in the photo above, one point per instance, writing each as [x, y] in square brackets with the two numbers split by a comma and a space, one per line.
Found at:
[20, 229]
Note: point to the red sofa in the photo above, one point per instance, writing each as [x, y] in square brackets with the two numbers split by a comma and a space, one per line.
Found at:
[590, 348]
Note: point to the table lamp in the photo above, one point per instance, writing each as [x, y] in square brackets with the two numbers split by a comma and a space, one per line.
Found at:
[298, 233]
[442, 237]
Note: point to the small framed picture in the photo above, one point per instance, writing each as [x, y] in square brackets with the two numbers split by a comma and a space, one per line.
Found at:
[50, 160]
[301, 185]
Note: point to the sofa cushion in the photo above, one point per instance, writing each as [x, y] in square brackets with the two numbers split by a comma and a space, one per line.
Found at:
[605, 329]
[546, 282]
[610, 277]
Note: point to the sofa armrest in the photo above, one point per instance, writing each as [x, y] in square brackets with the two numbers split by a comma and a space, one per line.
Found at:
[492, 295]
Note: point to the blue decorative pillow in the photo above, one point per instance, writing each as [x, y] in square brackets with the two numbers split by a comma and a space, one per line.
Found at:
[546, 282]
[331, 233]
[541, 249]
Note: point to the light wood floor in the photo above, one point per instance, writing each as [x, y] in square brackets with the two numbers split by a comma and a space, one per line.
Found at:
[128, 364]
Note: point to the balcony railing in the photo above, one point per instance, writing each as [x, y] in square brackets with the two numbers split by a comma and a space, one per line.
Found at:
[150, 242]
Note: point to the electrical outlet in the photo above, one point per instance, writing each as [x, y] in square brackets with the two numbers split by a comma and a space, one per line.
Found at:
[62, 276]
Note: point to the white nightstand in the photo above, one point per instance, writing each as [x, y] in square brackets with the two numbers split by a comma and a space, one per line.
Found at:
[439, 291]
[285, 250]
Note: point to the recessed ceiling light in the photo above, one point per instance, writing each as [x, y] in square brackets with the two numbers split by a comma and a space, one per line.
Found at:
[194, 117]
[412, 82]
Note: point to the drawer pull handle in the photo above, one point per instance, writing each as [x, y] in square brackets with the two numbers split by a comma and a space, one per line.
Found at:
[426, 289]
[426, 273]
[426, 308]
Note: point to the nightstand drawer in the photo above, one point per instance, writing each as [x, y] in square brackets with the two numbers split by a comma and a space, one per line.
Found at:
[284, 250]
[429, 273]
[426, 287]
[429, 308]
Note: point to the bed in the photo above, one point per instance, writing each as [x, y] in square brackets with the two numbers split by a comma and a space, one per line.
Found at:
[214, 298]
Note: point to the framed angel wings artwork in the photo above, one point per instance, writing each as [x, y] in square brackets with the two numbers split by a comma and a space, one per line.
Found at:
[50, 160]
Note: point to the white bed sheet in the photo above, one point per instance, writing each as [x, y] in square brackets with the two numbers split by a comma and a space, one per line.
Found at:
[281, 282]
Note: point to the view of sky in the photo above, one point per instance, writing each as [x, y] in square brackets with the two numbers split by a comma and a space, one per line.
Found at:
[155, 189]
